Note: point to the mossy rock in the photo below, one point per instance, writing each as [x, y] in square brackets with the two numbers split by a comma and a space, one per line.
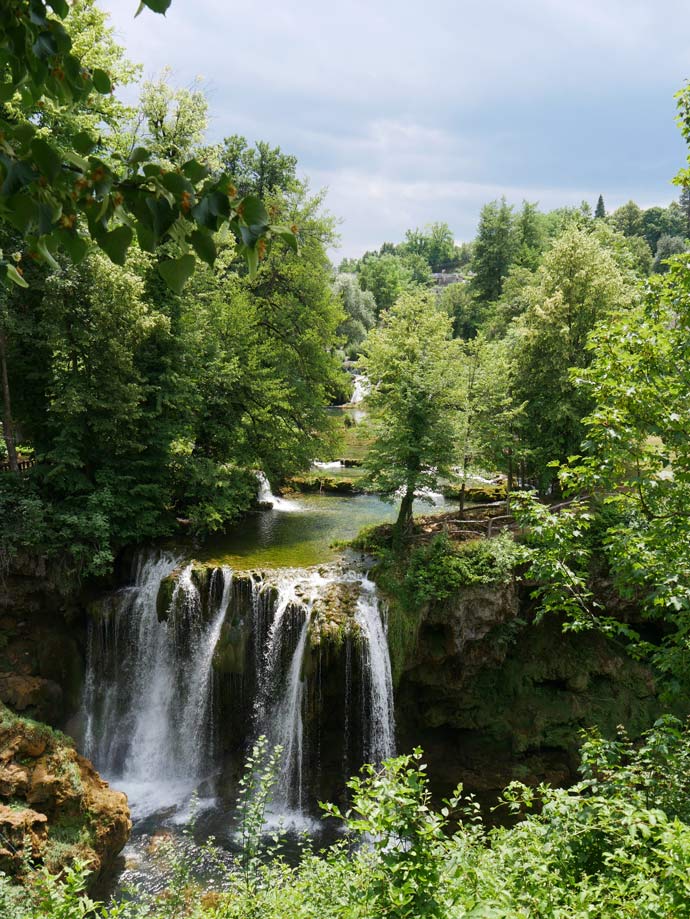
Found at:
[478, 494]
[230, 655]
[165, 595]
[333, 617]
[325, 484]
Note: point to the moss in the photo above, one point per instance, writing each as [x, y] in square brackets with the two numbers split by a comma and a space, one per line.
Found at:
[230, 654]
[333, 616]
[432, 572]
[8, 719]
[477, 494]
[165, 595]
[70, 838]
[327, 484]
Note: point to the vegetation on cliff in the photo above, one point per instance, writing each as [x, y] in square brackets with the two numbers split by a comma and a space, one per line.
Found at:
[616, 843]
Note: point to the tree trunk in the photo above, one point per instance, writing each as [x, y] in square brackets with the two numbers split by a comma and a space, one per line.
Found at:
[403, 524]
[7, 423]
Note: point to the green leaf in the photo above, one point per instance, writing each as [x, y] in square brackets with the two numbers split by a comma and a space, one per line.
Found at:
[116, 243]
[74, 245]
[24, 133]
[83, 143]
[60, 7]
[176, 272]
[287, 236]
[253, 212]
[46, 254]
[45, 46]
[158, 6]
[18, 175]
[138, 155]
[101, 82]
[252, 257]
[176, 183]
[13, 275]
[21, 211]
[46, 158]
[195, 171]
[204, 246]
[211, 210]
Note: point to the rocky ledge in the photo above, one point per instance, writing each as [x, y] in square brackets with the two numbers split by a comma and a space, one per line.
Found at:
[54, 807]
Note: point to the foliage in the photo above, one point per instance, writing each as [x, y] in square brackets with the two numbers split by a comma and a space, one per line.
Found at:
[412, 365]
[577, 286]
[617, 843]
[441, 568]
[666, 247]
[494, 250]
[635, 457]
[359, 307]
[386, 277]
[61, 193]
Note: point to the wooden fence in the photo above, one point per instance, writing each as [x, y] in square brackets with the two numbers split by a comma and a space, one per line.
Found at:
[22, 465]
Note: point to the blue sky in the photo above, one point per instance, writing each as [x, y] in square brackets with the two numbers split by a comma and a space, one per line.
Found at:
[411, 112]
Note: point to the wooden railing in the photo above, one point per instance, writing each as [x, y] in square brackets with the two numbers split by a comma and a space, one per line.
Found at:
[22, 465]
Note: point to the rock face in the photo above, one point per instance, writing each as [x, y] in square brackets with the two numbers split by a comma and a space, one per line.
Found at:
[41, 643]
[491, 696]
[54, 806]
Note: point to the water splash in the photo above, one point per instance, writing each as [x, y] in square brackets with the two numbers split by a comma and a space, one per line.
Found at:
[266, 496]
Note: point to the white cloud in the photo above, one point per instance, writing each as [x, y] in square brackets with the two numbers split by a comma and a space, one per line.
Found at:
[411, 112]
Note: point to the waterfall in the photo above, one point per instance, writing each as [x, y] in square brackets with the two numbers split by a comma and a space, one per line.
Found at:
[361, 389]
[298, 655]
[266, 496]
[281, 680]
[376, 665]
[149, 684]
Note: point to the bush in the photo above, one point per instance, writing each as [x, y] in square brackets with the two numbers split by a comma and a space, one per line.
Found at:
[606, 847]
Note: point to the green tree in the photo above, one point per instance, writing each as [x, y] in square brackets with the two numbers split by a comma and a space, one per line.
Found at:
[529, 237]
[386, 276]
[684, 203]
[635, 463]
[258, 170]
[600, 209]
[666, 247]
[577, 285]
[628, 219]
[413, 366]
[359, 307]
[465, 310]
[653, 224]
[171, 121]
[494, 250]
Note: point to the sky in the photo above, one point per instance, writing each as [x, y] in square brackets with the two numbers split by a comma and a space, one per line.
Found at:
[410, 113]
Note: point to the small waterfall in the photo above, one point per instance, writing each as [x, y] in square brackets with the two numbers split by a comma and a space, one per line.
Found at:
[361, 389]
[266, 496]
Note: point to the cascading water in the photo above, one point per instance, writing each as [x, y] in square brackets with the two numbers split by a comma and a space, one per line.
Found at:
[266, 496]
[361, 389]
[148, 689]
[376, 665]
[191, 662]
[281, 680]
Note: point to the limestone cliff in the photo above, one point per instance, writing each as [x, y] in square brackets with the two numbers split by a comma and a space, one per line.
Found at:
[54, 807]
[491, 695]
